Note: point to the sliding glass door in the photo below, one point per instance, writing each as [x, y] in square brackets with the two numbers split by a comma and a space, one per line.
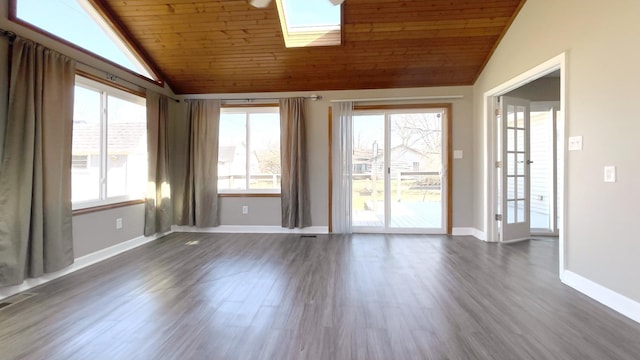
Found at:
[399, 169]
[368, 174]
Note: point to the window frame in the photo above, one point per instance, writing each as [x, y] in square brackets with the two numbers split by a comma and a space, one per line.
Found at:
[309, 36]
[114, 27]
[447, 136]
[106, 91]
[247, 110]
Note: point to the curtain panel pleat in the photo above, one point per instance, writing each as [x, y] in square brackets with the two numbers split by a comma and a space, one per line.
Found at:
[200, 206]
[295, 183]
[4, 90]
[158, 207]
[35, 176]
[341, 152]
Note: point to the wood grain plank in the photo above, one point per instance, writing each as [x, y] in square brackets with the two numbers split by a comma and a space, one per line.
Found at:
[274, 296]
[192, 42]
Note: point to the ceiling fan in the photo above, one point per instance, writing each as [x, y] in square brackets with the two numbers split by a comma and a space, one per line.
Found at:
[265, 3]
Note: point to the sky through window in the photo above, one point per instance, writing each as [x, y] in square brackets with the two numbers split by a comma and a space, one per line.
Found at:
[70, 20]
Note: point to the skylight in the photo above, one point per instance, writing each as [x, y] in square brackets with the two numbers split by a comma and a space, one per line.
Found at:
[77, 22]
[310, 22]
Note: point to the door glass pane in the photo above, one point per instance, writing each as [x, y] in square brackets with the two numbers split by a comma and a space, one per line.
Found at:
[511, 141]
[416, 167]
[520, 187]
[511, 188]
[511, 123]
[520, 164]
[511, 164]
[368, 169]
[511, 215]
[520, 140]
[520, 117]
[520, 212]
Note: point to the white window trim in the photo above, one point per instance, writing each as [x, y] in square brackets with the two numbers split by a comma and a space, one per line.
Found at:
[105, 91]
[247, 111]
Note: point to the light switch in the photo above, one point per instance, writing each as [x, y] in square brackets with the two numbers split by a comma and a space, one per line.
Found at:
[575, 143]
[457, 154]
[610, 174]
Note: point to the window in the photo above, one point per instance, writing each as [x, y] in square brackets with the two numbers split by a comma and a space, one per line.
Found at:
[109, 146]
[310, 22]
[249, 150]
[77, 22]
[79, 161]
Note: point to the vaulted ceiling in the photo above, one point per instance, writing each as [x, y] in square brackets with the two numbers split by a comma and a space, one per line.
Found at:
[229, 46]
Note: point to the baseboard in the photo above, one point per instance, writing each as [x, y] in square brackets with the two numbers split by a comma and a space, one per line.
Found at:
[469, 231]
[80, 263]
[462, 231]
[250, 229]
[479, 234]
[618, 302]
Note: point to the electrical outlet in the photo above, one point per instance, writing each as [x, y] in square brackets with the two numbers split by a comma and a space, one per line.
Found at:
[575, 143]
[245, 210]
[119, 223]
[610, 174]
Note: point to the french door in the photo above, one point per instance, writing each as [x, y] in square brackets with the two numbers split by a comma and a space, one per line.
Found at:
[513, 118]
[399, 171]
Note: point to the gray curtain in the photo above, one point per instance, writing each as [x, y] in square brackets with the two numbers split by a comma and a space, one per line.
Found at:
[178, 158]
[200, 205]
[4, 88]
[158, 210]
[35, 177]
[295, 184]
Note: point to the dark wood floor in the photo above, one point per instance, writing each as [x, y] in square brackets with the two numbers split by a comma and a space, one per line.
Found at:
[217, 296]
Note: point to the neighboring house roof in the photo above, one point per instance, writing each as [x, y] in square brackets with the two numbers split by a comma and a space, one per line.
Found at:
[362, 155]
[124, 138]
[403, 149]
[226, 154]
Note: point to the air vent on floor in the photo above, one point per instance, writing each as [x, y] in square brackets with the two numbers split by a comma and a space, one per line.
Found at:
[14, 300]
[307, 236]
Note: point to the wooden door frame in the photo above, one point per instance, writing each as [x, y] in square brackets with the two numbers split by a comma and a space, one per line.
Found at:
[448, 147]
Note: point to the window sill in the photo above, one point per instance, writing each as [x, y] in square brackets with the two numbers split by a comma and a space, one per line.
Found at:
[97, 208]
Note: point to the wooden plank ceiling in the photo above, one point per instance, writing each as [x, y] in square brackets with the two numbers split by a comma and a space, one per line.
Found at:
[230, 47]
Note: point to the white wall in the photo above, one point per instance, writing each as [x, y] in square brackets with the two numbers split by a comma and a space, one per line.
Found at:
[97, 230]
[600, 40]
[543, 89]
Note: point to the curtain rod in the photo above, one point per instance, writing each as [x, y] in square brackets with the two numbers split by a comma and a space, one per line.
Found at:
[10, 34]
[250, 100]
[437, 97]
[113, 78]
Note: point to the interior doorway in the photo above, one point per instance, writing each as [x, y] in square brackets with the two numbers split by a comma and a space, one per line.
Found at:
[544, 167]
[542, 88]
[543, 100]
